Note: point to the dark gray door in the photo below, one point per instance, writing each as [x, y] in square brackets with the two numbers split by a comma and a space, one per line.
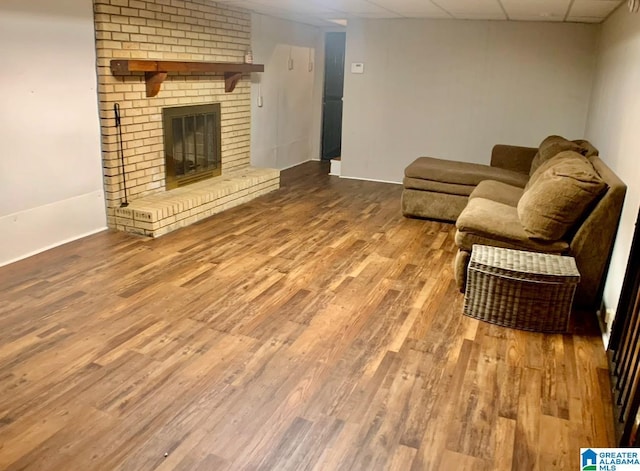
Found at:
[333, 86]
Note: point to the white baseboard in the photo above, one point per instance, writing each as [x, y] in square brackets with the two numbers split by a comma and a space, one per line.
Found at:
[370, 180]
[35, 230]
[296, 164]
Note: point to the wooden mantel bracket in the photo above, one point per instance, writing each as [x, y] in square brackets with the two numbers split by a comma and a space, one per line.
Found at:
[153, 81]
[231, 79]
[155, 72]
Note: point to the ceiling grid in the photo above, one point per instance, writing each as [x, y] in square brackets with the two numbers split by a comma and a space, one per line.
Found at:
[322, 12]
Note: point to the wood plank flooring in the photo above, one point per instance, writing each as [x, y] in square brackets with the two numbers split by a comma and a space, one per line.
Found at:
[314, 328]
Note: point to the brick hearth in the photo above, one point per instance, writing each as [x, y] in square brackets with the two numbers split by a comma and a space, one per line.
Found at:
[164, 212]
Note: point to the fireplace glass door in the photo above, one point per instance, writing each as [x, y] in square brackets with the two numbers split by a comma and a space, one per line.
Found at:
[191, 143]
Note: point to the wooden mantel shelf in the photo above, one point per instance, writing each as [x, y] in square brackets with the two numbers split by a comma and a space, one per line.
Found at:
[156, 71]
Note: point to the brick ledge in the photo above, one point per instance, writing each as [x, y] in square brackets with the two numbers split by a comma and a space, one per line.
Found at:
[160, 213]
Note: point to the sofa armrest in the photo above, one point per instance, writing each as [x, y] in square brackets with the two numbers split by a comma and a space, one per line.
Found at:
[514, 158]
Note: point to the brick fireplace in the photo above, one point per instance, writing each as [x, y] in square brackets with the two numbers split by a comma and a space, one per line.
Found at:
[184, 30]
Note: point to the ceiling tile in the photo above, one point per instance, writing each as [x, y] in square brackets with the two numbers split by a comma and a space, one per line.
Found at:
[593, 8]
[536, 10]
[413, 8]
[435, 14]
[293, 6]
[539, 17]
[347, 6]
[584, 19]
[480, 16]
[472, 7]
[377, 15]
[315, 18]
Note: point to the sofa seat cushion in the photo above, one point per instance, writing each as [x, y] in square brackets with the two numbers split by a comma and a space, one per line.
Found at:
[438, 187]
[489, 222]
[461, 173]
[432, 205]
[498, 191]
[560, 196]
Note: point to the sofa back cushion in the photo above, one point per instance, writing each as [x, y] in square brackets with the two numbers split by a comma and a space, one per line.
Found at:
[552, 146]
[565, 188]
[547, 164]
[588, 150]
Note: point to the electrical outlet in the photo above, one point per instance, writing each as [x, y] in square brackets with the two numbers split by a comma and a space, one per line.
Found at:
[608, 316]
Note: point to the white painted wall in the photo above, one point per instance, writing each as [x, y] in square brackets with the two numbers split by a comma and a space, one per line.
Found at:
[50, 171]
[285, 131]
[614, 125]
[453, 89]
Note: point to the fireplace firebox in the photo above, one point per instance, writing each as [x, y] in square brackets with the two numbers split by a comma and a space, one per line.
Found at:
[192, 144]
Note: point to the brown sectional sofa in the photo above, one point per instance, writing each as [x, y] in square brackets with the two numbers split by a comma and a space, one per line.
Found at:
[487, 204]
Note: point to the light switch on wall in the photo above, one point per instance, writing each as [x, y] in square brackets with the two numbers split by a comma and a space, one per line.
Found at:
[357, 67]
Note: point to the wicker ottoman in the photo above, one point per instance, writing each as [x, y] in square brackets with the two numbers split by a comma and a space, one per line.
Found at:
[522, 290]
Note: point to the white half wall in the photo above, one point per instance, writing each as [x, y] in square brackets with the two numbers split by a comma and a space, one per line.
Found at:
[50, 169]
[452, 89]
[285, 130]
[613, 127]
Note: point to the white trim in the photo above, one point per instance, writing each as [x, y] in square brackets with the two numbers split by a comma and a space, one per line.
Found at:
[41, 228]
[336, 168]
[52, 246]
[371, 180]
[294, 165]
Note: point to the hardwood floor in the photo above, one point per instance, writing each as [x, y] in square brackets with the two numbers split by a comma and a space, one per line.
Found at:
[313, 328]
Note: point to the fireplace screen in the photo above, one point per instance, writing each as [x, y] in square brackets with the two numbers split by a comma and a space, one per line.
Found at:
[191, 143]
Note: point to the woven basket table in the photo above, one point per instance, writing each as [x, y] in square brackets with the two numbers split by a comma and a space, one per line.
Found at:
[518, 289]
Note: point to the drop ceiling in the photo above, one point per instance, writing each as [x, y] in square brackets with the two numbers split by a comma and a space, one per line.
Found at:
[321, 12]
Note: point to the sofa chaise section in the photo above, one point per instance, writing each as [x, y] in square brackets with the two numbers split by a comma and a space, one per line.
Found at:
[439, 188]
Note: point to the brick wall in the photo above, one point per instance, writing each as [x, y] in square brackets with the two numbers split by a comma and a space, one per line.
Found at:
[193, 30]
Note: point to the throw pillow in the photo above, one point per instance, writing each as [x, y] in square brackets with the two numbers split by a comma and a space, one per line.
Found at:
[559, 197]
[550, 147]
